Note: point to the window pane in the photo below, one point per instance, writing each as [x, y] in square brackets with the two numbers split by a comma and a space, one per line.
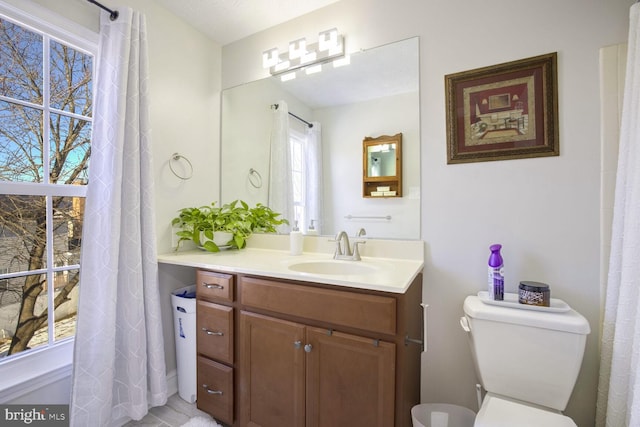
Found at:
[22, 232]
[66, 291]
[70, 79]
[21, 334]
[69, 149]
[20, 63]
[67, 230]
[20, 143]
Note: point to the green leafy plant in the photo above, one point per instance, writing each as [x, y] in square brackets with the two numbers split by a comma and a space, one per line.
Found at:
[200, 224]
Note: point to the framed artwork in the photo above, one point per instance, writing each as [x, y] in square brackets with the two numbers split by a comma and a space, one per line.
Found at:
[505, 111]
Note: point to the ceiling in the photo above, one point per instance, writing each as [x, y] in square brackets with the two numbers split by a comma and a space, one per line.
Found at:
[226, 21]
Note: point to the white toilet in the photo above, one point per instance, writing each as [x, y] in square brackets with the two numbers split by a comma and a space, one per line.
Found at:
[527, 360]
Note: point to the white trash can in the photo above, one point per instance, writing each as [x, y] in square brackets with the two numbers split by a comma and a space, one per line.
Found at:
[442, 415]
[183, 301]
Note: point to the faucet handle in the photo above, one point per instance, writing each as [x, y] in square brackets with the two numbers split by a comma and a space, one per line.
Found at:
[356, 252]
[338, 250]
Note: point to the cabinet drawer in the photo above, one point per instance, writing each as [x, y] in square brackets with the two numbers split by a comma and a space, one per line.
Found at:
[214, 286]
[367, 312]
[215, 389]
[214, 323]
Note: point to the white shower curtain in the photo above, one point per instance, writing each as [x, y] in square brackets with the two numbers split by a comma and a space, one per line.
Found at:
[280, 182]
[119, 368]
[314, 193]
[619, 387]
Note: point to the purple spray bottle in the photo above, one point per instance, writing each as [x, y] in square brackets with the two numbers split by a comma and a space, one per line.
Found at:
[496, 274]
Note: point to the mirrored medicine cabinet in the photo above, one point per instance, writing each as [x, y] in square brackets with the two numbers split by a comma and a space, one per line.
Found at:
[382, 166]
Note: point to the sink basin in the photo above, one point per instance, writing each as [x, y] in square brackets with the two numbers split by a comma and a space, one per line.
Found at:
[333, 267]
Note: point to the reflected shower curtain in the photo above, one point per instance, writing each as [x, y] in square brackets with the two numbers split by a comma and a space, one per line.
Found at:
[119, 367]
[314, 193]
[280, 182]
[619, 387]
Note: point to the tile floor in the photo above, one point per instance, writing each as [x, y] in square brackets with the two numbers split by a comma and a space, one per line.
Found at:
[175, 413]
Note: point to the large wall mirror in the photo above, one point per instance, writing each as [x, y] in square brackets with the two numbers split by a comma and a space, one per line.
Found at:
[376, 94]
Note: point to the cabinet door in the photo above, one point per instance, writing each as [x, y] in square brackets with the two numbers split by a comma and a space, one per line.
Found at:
[271, 372]
[350, 381]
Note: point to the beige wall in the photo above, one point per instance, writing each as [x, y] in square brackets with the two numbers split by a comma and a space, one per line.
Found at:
[545, 211]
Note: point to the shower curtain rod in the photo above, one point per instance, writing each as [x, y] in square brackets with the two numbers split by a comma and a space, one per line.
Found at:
[275, 107]
[113, 14]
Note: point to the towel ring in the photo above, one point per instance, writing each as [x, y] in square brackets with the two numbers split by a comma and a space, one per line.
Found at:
[255, 178]
[174, 158]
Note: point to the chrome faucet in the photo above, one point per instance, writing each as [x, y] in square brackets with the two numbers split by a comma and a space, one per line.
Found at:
[343, 249]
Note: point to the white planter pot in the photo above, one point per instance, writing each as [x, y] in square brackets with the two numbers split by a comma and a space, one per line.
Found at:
[220, 238]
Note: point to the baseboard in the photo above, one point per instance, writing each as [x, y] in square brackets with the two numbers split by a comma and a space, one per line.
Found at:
[172, 382]
[56, 378]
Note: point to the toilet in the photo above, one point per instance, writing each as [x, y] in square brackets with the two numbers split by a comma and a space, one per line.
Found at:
[527, 359]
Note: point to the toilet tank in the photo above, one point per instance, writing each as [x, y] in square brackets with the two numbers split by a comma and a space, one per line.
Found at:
[526, 354]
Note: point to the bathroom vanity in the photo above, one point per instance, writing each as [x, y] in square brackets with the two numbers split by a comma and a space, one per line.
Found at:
[305, 340]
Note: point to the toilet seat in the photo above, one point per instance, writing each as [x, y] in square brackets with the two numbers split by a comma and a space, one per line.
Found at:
[502, 412]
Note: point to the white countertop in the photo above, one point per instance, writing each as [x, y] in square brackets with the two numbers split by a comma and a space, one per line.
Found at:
[382, 273]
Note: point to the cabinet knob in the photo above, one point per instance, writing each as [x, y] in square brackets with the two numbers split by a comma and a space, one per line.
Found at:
[297, 344]
[206, 387]
[208, 332]
[308, 348]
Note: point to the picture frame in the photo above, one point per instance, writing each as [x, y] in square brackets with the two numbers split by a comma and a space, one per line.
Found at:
[505, 111]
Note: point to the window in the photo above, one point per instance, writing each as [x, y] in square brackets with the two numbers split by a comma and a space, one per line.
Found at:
[46, 78]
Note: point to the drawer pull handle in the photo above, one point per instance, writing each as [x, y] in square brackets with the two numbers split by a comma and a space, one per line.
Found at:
[308, 348]
[212, 285]
[297, 345]
[206, 387]
[208, 332]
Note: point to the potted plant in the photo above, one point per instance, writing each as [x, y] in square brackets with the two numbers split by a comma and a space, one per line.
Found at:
[211, 227]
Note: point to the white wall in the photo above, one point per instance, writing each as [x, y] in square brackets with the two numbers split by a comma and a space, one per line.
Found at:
[548, 212]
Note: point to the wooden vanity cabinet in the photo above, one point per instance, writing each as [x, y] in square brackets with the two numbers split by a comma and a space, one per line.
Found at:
[297, 375]
[308, 354]
[318, 355]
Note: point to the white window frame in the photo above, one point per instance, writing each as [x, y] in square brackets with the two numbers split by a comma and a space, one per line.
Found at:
[24, 373]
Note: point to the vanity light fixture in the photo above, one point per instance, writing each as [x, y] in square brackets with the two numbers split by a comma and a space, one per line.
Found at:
[297, 48]
[313, 69]
[270, 57]
[330, 47]
[341, 62]
[328, 40]
[288, 76]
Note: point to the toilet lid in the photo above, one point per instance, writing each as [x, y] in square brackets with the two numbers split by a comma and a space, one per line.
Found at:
[501, 412]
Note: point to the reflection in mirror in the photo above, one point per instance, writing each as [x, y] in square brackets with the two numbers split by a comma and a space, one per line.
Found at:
[376, 94]
[382, 166]
[381, 160]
